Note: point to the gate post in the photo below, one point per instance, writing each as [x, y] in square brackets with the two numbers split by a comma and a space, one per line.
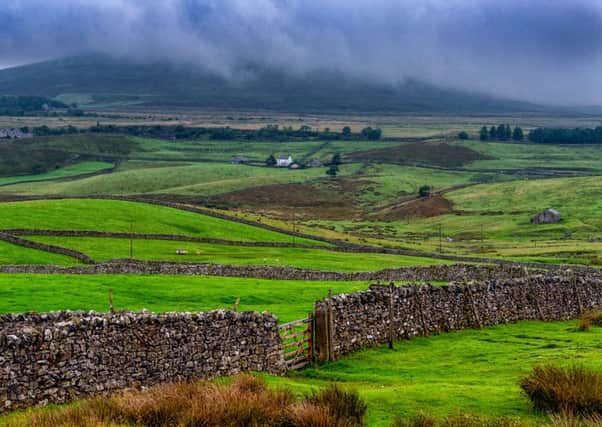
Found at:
[323, 333]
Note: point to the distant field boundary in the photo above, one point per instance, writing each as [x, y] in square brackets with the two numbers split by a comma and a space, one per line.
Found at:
[45, 247]
[166, 237]
[339, 245]
[445, 273]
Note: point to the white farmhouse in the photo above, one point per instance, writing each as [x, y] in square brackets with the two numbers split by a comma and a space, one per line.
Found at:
[284, 162]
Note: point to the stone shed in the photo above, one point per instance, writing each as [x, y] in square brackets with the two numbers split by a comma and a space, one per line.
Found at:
[549, 216]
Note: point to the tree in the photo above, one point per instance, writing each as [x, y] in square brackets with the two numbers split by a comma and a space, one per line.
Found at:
[484, 134]
[333, 170]
[424, 191]
[501, 132]
[463, 135]
[270, 161]
[373, 134]
[508, 132]
[518, 134]
[493, 133]
[336, 159]
[346, 132]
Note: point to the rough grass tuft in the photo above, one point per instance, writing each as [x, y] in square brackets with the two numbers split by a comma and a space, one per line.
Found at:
[573, 390]
[423, 420]
[589, 319]
[247, 401]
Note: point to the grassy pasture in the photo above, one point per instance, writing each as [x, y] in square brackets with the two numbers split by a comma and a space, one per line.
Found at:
[203, 179]
[15, 255]
[472, 371]
[103, 249]
[527, 155]
[502, 211]
[70, 171]
[110, 215]
[288, 299]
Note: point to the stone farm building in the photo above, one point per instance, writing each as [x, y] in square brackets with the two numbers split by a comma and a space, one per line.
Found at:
[549, 216]
[284, 162]
[13, 133]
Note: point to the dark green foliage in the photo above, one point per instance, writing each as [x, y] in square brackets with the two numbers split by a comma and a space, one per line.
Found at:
[566, 136]
[346, 131]
[484, 134]
[270, 161]
[463, 135]
[575, 390]
[342, 404]
[336, 159]
[372, 134]
[493, 132]
[424, 191]
[27, 105]
[517, 134]
[266, 133]
[333, 170]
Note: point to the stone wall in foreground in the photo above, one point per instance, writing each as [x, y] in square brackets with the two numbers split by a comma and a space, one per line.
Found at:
[58, 357]
[354, 321]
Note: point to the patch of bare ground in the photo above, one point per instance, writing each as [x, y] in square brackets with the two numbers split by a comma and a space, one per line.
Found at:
[427, 207]
[435, 154]
[333, 198]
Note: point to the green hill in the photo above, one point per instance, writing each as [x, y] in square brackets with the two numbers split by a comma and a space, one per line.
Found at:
[99, 82]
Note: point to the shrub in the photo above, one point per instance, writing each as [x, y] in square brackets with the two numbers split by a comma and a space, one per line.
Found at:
[589, 319]
[342, 404]
[463, 135]
[457, 421]
[246, 401]
[573, 390]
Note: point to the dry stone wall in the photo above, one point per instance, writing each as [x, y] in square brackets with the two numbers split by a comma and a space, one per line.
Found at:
[445, 273]
[58, 357]
[369, 318]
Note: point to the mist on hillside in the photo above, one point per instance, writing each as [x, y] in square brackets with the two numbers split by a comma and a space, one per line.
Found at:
[542, 51]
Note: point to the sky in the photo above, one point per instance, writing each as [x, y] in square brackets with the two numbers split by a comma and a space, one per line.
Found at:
[544, 51]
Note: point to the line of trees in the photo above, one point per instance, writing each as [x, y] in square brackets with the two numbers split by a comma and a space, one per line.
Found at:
[266, 133]
[502, 132]
[566, 136]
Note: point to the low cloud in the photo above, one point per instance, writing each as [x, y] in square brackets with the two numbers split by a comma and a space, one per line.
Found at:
[546, 51]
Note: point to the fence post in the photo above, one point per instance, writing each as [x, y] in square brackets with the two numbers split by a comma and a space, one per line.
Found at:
[391, 316]
[322, 345]
[311, 336]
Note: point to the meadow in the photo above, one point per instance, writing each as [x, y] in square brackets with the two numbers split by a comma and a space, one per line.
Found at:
[121, 216]
[482, 204]
[288, 299]
[71, 171]
[466, 372]
[14, 255]
[105, 249]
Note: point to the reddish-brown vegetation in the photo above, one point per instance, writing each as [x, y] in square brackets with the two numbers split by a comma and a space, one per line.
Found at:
[434, 154]
[247, 401]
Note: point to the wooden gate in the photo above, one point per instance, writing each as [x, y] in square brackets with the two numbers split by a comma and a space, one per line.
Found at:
[298, 342]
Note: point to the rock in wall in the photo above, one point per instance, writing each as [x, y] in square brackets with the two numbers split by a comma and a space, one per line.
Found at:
[58, 357]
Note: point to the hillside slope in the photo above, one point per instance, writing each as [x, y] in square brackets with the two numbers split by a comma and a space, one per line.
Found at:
[100, 81]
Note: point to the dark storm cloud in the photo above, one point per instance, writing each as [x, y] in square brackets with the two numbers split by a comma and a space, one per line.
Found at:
[539, 50]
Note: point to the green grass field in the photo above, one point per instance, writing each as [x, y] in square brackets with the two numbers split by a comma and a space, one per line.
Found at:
[104, 249]
[473, 371]
[70, 171]
[16, 255]
[110, 215]
[289, 300]
[195, 179]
